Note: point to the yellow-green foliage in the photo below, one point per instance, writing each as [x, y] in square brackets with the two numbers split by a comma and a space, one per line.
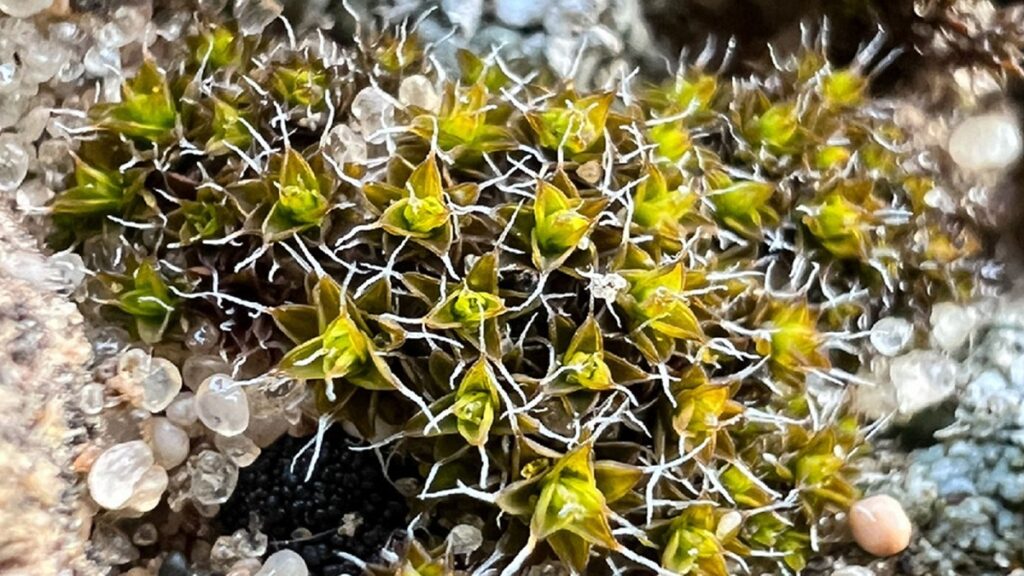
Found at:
[599, 322]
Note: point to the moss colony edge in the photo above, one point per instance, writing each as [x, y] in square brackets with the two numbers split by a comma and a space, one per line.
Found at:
[613, 328]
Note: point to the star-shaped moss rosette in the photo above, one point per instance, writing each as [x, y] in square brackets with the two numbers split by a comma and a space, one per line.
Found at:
[818, 464]
[586, 366]
[660, 311]
[210, 215]
[217, 47]
[417, 560]
[702, 412]
[473, 307]
[777, 128]
[224, 123]
[698, 539]
[101, 191]
[572, 123]
[146, 298]
[419, 210]
[661, 209]
[470, 411]
[147, 112]
[568, 504]
[467, 125]
[333, 342]
[842, 221]
[293, 198]
[561, 221]
[794, 345]
[743, 207]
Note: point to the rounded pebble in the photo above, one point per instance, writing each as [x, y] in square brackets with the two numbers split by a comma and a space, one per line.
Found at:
[222, 405]
[986, 142]
[880, 526]
[284, 563]
[170, 443]
[114, 475]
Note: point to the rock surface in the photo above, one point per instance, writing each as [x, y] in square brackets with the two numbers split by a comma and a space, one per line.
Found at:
[42, 352]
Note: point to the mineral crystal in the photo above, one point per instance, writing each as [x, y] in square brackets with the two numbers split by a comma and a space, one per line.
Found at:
[222, 405]
[196, 369]
[213, 477]
[145, 535]
[345, 145]
[91, 399]
[114, 475]
[465, 14]
[160, 385]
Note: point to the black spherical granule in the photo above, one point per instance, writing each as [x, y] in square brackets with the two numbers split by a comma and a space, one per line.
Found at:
[345, 486]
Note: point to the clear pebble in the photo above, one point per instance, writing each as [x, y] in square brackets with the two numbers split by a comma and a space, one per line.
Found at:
[986, 142]
[284, 563]
[222, 405]
[213, 477]
[145, 535]
[157, 380]
[161, 385]
[254, 16]
[115, 473]
[182, 411]
[103, 61]
[70, 267]
[952, 325]
[345, 145]
[374, 111]
[33, 124]
[196, 369]
[24, 8]
[149, 490]
[33, 195]
[922, 378]
[418, 90]
[891, 335]
[14, 161]
[245, 567]
[111, 546]
[240, 449]
[91, 399]
[169, 442]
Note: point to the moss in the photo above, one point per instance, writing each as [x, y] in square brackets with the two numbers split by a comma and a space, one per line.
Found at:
[589, 319]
